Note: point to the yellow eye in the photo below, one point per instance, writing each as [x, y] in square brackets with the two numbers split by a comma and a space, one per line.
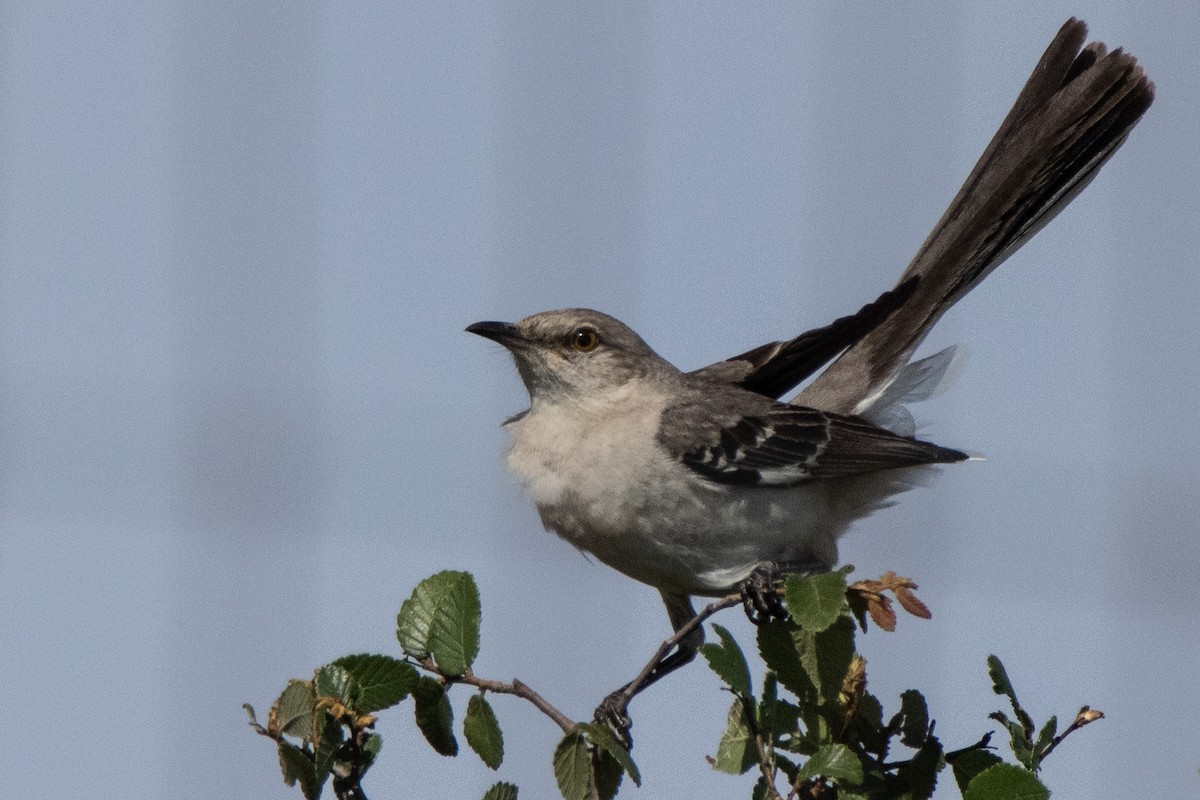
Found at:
[584, 340]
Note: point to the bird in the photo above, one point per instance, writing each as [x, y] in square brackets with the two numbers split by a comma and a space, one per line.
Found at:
[706, 482]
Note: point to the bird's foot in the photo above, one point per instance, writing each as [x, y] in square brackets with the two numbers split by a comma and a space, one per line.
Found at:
[762, 594]
[613, 714]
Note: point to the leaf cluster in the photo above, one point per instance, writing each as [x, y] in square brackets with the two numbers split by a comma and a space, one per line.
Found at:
[323, 727]
[811, 728]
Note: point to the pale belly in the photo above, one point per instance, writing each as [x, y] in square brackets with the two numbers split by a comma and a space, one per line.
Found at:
[651, 518]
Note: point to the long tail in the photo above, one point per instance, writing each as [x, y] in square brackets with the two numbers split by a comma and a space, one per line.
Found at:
[1076, 109]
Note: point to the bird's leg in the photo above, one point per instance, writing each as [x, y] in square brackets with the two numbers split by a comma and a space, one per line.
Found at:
[762, 594]
[613, 711]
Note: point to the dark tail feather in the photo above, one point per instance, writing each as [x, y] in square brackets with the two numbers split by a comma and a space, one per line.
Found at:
[1075, 110]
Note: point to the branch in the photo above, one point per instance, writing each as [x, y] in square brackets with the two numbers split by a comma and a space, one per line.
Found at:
[515, 688]
[560, 719]
[1085, 716]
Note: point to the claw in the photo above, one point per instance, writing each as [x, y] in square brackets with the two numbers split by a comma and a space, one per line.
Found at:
[762, 595]
[613, 713]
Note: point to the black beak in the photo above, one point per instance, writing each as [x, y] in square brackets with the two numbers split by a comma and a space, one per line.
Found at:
[502, 332]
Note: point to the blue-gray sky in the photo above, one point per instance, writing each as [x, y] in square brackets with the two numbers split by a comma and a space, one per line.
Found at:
[239, 418]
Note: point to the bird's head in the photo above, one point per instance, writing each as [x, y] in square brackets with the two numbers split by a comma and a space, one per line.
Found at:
[574, 353]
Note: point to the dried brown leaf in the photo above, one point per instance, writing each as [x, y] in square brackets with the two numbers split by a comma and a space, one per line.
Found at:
[911, 603]
[880, 609]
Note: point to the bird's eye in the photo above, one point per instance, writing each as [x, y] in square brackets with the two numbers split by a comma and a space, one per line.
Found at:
[584, 340]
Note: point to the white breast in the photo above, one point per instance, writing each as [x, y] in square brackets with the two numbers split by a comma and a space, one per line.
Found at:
[601, 480]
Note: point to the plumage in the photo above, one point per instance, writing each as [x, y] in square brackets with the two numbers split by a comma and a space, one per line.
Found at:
[692, 481]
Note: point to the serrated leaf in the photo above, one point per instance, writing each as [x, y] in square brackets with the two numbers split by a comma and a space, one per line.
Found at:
[379, 681]
[334, 681]
[916, 718]
[1005, 782]
[835, 762]
[880, 609]
[1000, 682]
[603, 739]
[827, 656]
[1021, 748]
[606, 774]
[867, 726]
[501, 791]
[454, 635]
[292, 712]
[911, 603]
[438, 601]
[736, 751]
[297, 767]
[726, 659]
[1045, 737]
[969, 764]
[573, 767]
[434, 716]
[482, 731]
[815, 601]
[325, 749]
[779, 644]
[371, 748]
[922, 770]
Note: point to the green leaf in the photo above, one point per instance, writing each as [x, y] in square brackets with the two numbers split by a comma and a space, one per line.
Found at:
[371, 748]
[1000, 682]
[573, 767]
[334, 681]
[454, 636]
[297, 767]
[916, 718]
[815, 601]
[921, 772]
[1005, 782]
[379, 681]
[293, 711]
[736, 751]
[827, 655]
[1021, 748]
[441, 618]
[726, 659]
[1002, 685]
[867, 728]
[1045, 737]
[326, 746]
[969, 764]
[606, 774]
[780, 645]
[835, 762]
[501, 791]
[482, 731]
[603, 739]
[434, 716]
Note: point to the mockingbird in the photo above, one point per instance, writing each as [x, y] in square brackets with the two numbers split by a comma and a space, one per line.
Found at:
[697, 483]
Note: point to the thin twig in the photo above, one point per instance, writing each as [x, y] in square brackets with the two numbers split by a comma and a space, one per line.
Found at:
[515, 688]
[568, 725]
[765, 765]
[643, 677]
[1085, 716]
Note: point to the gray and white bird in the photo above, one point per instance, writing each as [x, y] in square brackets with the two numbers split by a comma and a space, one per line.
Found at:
[692, 481]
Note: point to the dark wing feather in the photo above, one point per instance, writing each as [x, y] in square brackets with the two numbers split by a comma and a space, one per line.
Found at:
[775, 368]
[790, 445]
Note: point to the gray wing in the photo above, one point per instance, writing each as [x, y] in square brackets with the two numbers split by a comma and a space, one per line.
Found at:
[788, 445]
[775, 368]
